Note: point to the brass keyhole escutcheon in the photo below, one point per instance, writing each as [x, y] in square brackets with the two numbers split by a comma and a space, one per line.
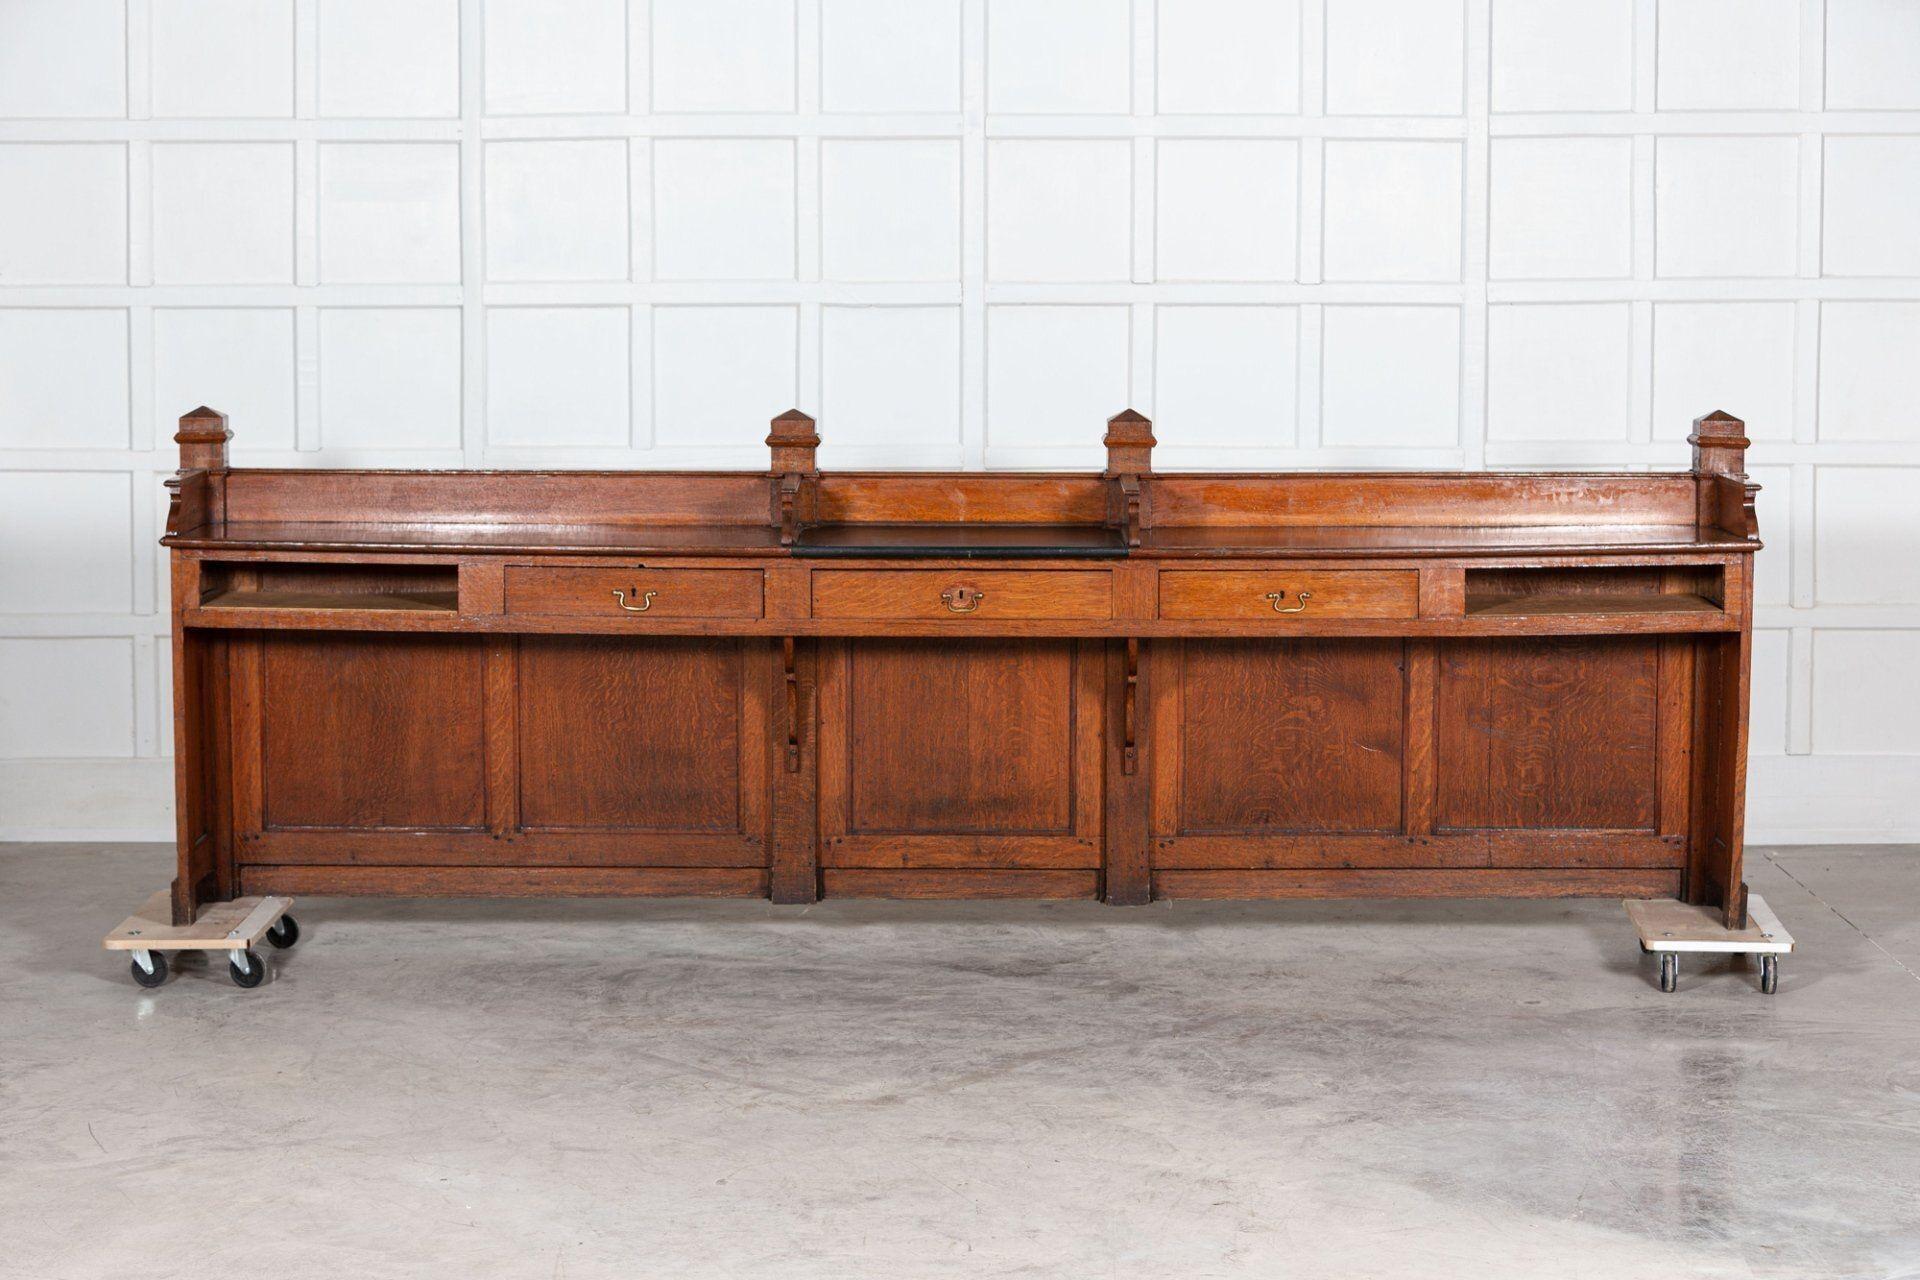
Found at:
[962, 599]
[646, 599]
[1278, 597]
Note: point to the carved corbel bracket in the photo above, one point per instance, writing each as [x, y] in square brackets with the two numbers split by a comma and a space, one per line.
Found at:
[1129, 442]
[795, 476]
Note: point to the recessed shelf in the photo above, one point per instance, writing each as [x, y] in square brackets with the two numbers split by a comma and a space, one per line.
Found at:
[1484, 606]
[409, 602]
[330, 585]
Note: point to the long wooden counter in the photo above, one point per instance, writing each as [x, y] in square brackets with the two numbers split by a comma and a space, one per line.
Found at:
[1125, 685]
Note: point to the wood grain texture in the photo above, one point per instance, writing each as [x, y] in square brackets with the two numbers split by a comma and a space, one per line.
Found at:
[1521, 849]
[796, 818]
[1422, 500]
[412, 682]
[638, 736]
[1442, 883]
[842, 883]
[963, 596]
[194, 758]
[371, 731]
[664, 593]
[1550, 733]
[976, 755]
[508, 882]
[1129, 792]
[1251, 594]
[1290, 736]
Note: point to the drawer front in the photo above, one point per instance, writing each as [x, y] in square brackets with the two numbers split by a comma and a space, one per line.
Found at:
[634, 593]
[961, 594]
[1281, 595]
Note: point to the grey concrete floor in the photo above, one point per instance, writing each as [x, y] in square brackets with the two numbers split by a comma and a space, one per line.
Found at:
[865, 1089]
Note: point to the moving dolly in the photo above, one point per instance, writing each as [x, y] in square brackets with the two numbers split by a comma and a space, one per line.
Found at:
[1669, 928]
[233, 927]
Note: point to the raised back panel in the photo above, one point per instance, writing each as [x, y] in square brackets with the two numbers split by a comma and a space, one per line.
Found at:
[640, 735]
[1421, 500]
[1291, 736]
[370, 731]
[1548, 732]
[672, 498]
[949, 498]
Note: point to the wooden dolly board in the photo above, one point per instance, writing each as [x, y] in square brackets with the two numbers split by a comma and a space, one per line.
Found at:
[1668, 928]
[233, 927]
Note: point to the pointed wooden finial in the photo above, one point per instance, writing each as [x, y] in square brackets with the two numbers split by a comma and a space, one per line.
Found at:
[202, 438]
[795, 477]
[1719, 443]
[793, 440]
[1129, 442]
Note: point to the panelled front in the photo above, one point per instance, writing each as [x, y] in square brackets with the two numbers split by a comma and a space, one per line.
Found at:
[1347, 754]
[1565, 751]
[1272, 761]
[1273, 753]
[376, 750]
[650, 751]
[973, 755]
[363, 732]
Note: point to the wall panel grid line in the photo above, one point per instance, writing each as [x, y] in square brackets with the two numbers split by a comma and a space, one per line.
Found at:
[625, 233]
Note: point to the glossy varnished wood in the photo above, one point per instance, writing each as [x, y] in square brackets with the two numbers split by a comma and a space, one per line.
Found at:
[983, 755]
[962, 596]
[1129, 684]
[634, 594]
[1548, 733]
[1281, 597]
[401, 719]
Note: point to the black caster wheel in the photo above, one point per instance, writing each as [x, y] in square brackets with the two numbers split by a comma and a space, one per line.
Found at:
[284, 933]
[1769, 974]
[159, 974]
[1669, 971]
[252, 975]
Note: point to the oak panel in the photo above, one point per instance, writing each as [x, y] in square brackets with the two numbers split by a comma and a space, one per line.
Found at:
[1441, 883]
[648, 592]
[1253, 594]
[1290, 736]
[638, 735]
[508, 882]
[975, 738]
[1553, 732]
[367, 730]
[981, 595]
[984, 754]
[841, 883]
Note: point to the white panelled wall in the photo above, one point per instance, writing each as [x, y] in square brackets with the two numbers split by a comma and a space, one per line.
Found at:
[1395, 233]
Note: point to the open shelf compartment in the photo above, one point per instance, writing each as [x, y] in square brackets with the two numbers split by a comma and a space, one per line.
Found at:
[410, 588]
[1586, 590]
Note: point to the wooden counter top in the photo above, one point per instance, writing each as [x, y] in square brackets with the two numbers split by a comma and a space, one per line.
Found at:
[964, 542]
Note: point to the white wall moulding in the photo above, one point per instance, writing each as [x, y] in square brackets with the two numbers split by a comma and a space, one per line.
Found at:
[627, 232]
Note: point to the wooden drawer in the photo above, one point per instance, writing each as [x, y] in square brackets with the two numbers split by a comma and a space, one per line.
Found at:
[959, 594]
[647, 593]
[1278, 595]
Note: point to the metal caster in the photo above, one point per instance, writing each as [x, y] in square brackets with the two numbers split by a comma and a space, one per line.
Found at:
[284, 933]
[1769, 974]
[246, 969]
[1669, 970]
[149, 968]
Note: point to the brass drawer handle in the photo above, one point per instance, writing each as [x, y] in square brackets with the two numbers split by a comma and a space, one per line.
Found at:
[1278, 596]
[962, 599]
[646, 599]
